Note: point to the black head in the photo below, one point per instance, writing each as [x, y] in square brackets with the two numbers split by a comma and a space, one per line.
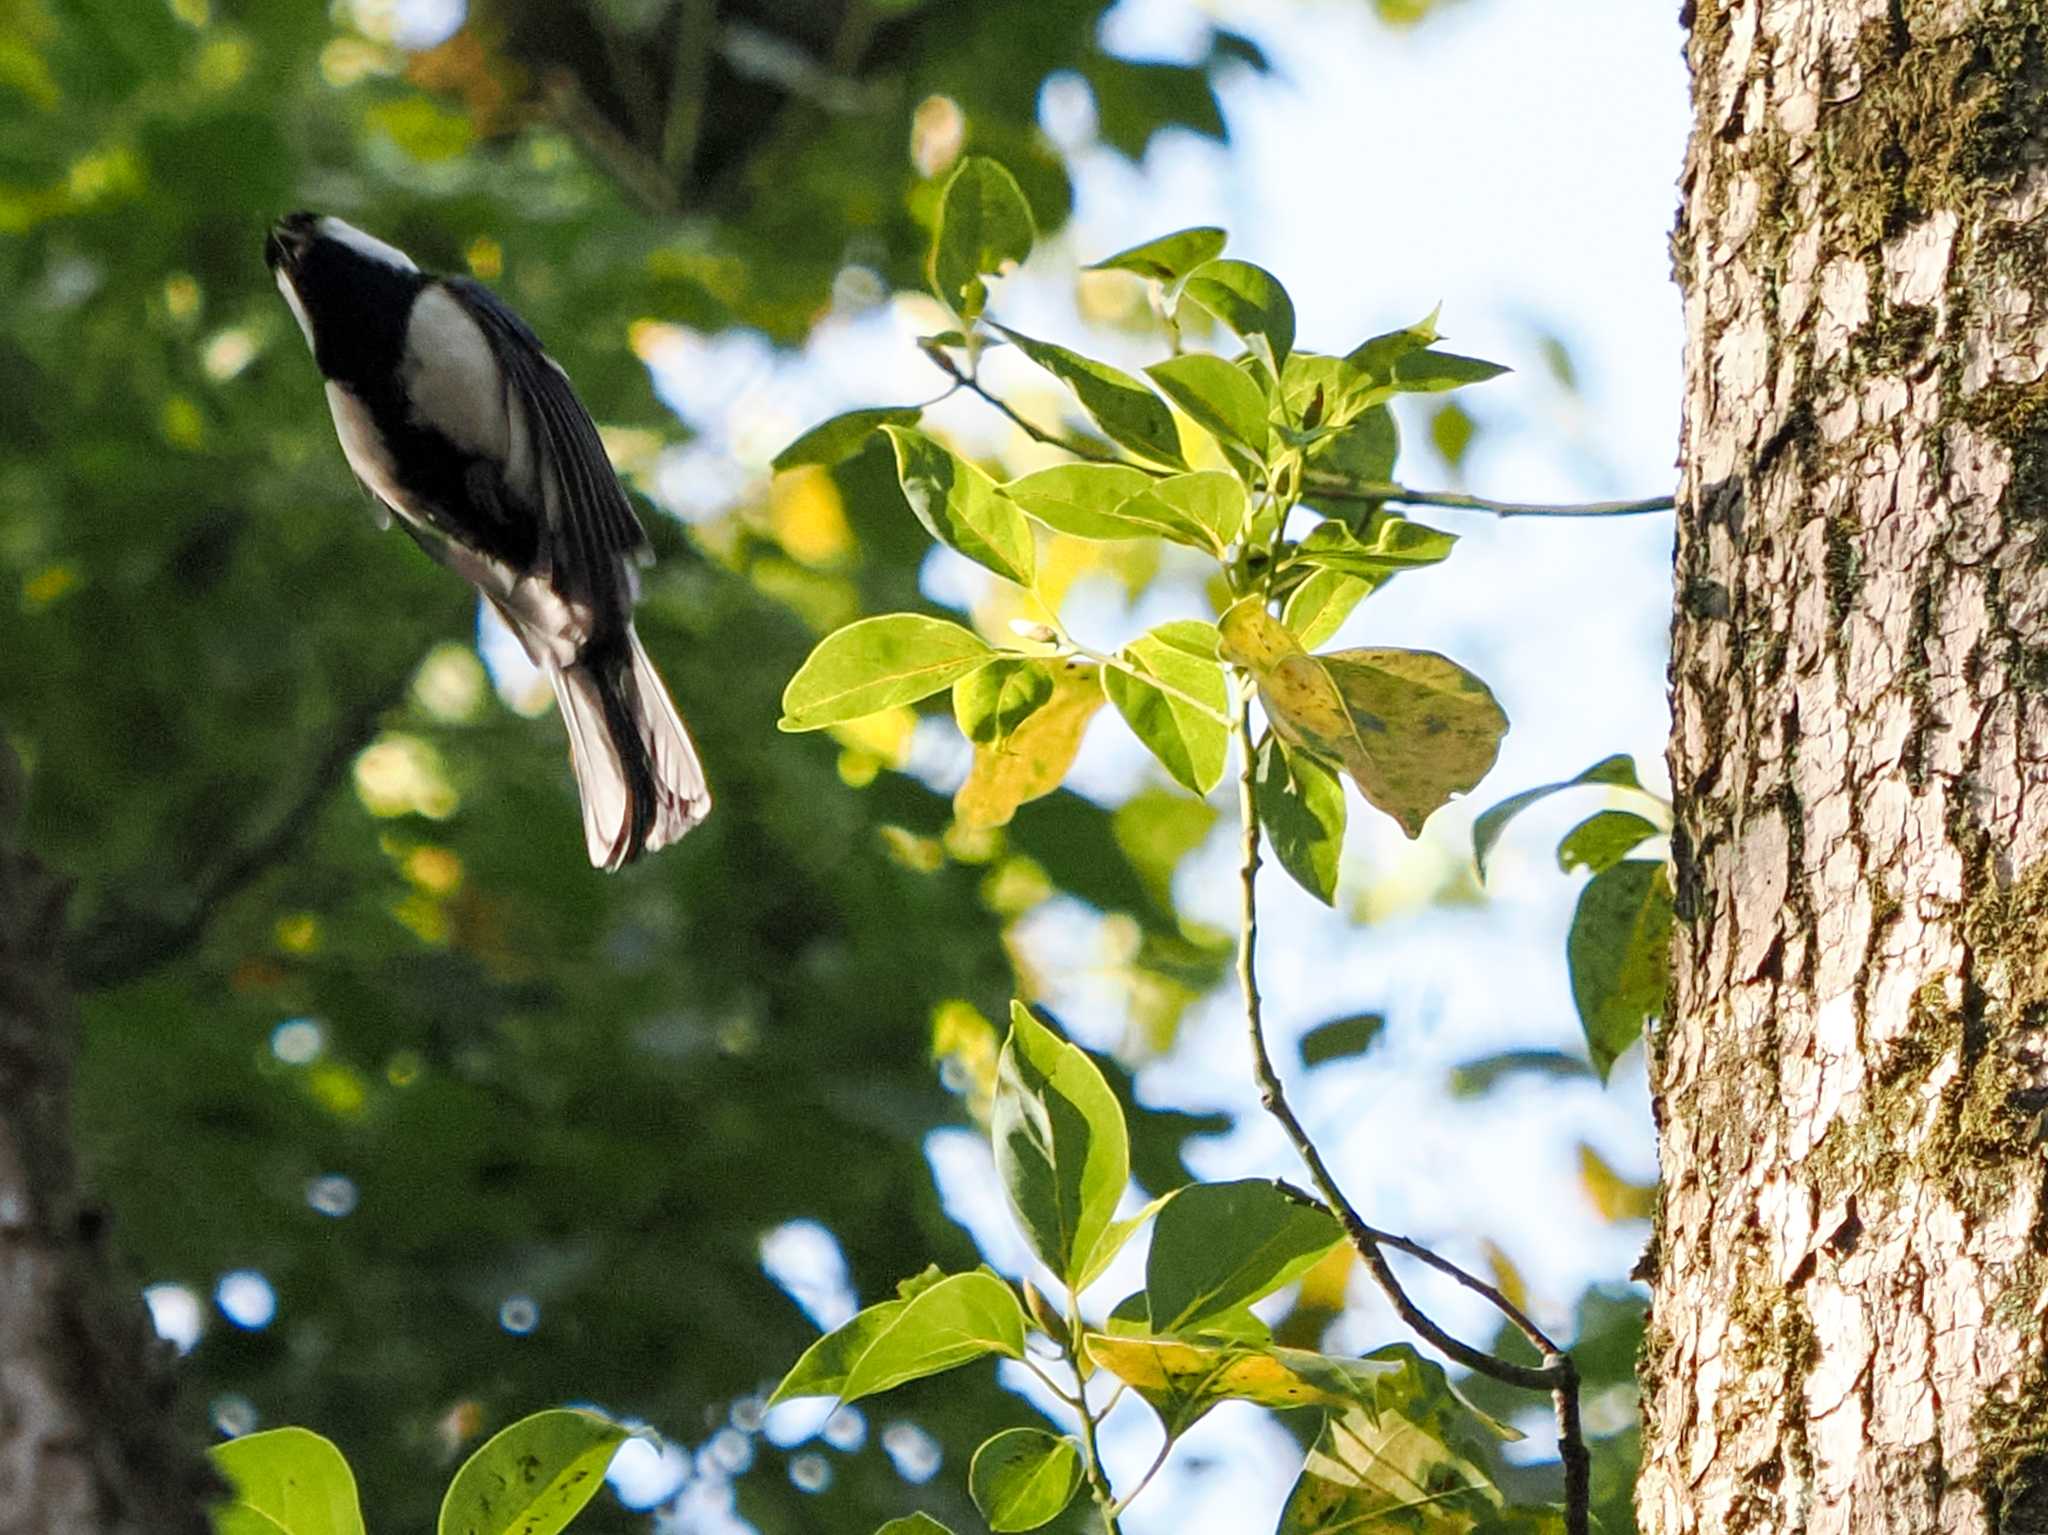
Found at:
[350, 292]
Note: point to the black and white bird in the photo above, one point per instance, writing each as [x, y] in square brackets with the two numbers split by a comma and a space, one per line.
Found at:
[469, 434]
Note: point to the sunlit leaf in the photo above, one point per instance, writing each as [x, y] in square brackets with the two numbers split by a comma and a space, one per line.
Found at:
[1317, 607]
[1389, 543]
[840, 437]
[1031, 762]
[877, 663]
[1023, 1477]
[1250, 300]
[1168, 257]
[914, 1524]
[940, 1327]
[1374, 1471]
[984, 223]
[1618, 771]
[1616, 1198]
[1220, 1246]
[989, 704]
[1113, 1238]
[1429, 372]
[532, 1478]
[286, 1480]
[1182, 1380]
[1219, 396]
[1127, 411]
[1603, 839]
[1204, 510]
[1178, 703]
[1082, 499]
[1060, 1144]
[962, 507]
[1377, 358]
[1301, 806]
[1618, 952]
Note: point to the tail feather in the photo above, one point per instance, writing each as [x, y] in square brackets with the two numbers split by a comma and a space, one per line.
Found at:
[636, 769]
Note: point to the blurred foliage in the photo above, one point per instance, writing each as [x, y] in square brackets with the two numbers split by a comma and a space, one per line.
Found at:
[358, 1015]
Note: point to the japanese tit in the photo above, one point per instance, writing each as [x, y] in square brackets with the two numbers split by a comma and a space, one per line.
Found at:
[462, 428]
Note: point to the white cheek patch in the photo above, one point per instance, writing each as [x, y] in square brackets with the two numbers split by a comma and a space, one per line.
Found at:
[298, 309]
[452, 377]
[365, 245]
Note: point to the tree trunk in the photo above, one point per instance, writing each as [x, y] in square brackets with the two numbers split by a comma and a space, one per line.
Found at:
[87, 1442]
[1850, 1282]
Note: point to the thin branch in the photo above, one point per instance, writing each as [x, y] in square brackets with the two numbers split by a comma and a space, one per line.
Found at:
[1029, 428]
[1165, 1449]
[1556, 1374]
[1401, 495]
[636, 172]
[696, 26]
[1098, 1479]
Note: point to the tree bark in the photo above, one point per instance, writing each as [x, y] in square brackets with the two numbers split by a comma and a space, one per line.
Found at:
[1850, 1282]
[87, 1441]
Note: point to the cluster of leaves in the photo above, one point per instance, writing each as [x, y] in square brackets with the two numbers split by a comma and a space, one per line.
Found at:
[531, 1478]
[1618, 948]
[1397, 1446]
[1256, 437]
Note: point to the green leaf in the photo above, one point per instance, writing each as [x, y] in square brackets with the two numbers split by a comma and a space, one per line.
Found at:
[1362, 453]
[1127, 411]
[1186, 729]
[1342, 1038]
[1060, 1144]
[876, 664]
[1327, 396]
[1475, 1078]
[1112, 1241]
[1219, 396]
[1379, 1471]
[1411, 727]
[1317, 608]
[984, 222]
[1220, 1246]
[1618, 952]
[1377, 358]
[287, 1480]
[1250, 300]
[532, 1478]
[1082, 499]
[1023, 1477]
[952, 1323]
[1431, 372]
[1618, 771]
[962, 507]
[1204, 510]
[1031, 762]
[1168, 257]
[914, 1524]
[839, 438]
[1182, 1380]
[1390, 543]
[1301, 805]
[990, 703]
[1603, 839]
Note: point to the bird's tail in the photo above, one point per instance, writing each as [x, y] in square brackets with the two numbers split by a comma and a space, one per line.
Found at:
[637, 773]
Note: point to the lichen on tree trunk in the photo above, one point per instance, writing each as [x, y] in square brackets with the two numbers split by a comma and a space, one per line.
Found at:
[1850, 1282]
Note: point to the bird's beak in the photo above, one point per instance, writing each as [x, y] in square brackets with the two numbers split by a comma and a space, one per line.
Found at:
[288, 240]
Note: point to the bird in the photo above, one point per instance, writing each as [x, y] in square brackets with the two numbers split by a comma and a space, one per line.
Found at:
[465, 431]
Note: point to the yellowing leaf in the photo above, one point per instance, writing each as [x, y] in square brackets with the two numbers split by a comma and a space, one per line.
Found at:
[1032, 760]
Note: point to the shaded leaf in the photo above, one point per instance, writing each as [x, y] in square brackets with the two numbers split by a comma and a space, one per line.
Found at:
[1082, 499]
[1127, 411]
[1035, 757]
[1168, 257]
[841, 436]
[914, 1524]
[1618, 955]
[877, 663]
[1363, 453]
[1429, 372]
[1390, 542]
[1376, 359]
[962, 507]
[1603, 839]
[287, 1480]
[1476, 1077]
[1369, 1471]
[1220, 1246]
[1301, 806]
[1250, 300]
[1341, 1038]
[1060, 1144]
[1218, 396]
[532, 1478]
[984, 222]
[1023, 1477]
[990, 703]
[1204, 510]
[1618, 771]
[1186, 729]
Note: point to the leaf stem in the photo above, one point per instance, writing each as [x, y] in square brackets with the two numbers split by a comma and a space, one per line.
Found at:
[1118, 663]
[1165, 1449]
[1402, 495]
[1098, 1479]
[1556, 1375]
[1028, 427]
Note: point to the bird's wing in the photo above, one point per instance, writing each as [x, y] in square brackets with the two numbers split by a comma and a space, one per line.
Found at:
[591, 526]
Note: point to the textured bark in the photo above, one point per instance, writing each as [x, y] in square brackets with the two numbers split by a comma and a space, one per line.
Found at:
[87, 1443]
[1850, 1284]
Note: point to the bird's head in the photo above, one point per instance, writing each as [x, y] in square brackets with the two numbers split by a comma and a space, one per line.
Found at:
[349, 291]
